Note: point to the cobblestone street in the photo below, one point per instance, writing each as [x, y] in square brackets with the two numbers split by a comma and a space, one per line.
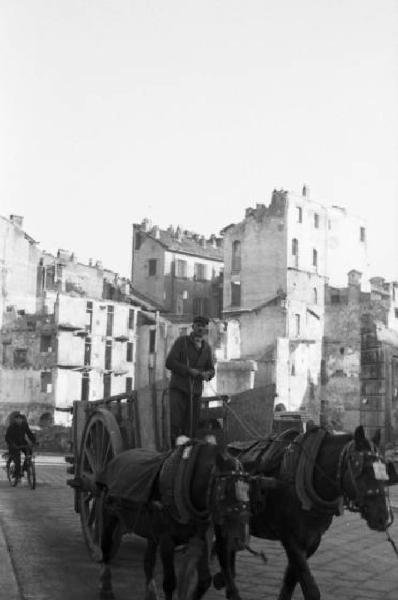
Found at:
[43, 535]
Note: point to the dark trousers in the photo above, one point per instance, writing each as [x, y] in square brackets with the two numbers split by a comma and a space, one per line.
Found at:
[15, 453]
[180, 414]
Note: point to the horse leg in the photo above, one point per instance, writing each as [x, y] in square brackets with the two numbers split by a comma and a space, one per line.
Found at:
[109, 524]
[298, 571]
[226, 557]
[167, 546]
[149, 567]
[204, 575]
[188, 585]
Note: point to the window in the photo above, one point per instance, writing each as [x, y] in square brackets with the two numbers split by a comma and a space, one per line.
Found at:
[201, 306]
[85, 389]
[316, 220]
[131, 318]
[87, 351]
[235, 294]
[396, 313]
[315, 257]
[299, 214]
[129, 352]
[335, 299]
[109, 320]
[315, 296]
[20, 357]
[200, 271]
[295, 251]
[152, 340]
[362, 234]
[108, 355]
[236, 256]
[152, 267]
[181, 268]
[45, 343]
[46, 382]
[89, 316]
[107, 385]
[129, 385]
[298, 324]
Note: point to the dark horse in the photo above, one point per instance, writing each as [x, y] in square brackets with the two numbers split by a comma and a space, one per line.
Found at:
[346, 470]
[214, 494]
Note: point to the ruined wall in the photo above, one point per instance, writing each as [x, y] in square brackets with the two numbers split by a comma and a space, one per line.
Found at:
[19, 259]
[262, 272]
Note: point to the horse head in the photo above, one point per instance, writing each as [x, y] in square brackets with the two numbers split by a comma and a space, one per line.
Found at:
[363, 479]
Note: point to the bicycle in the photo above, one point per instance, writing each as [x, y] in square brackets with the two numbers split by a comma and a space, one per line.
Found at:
[28, 466]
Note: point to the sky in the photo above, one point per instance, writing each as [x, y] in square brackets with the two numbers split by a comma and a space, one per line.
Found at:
[187, 112]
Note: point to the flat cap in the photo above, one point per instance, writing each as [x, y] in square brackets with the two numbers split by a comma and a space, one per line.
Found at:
[201, 320]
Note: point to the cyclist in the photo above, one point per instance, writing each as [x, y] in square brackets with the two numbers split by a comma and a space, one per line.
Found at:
[16, 435]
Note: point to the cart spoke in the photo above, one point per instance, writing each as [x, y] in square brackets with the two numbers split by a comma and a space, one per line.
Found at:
[90, 459]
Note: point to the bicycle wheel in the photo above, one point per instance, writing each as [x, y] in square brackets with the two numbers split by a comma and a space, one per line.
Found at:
[12, 472]
[31, 473]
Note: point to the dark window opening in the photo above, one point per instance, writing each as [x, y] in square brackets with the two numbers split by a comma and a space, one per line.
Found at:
[236, 297]
[107, 385]
[236, 256]
[335, 299]
[20, 357]
[45, 343]
[87, 351]
[46, 382]
[298, 324]
[85, 390]
[201, 306]
[315, 295]
[109, 320]
[396, 313]
[342, 350]
[315, 257]
[108, 355]
[316, 220]
[295, 251]
[362, 234]
[131, 318]
[129, 352]
[152, 267]
[129, 385]
[152, 340]
[137, 240]
[299, 214]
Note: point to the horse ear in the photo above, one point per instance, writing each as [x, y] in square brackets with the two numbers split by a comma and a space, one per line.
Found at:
[377, 437]
[359, 437]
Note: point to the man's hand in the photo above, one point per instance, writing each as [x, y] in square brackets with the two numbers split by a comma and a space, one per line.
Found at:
[206, 375]
[195, 373]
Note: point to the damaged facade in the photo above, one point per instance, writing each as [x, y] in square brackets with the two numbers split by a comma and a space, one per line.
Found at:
[178, 270]
[277, 263]
[69, 330]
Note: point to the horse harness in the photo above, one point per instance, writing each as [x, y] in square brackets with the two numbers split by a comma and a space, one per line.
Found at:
[227, 493]
[299, 463]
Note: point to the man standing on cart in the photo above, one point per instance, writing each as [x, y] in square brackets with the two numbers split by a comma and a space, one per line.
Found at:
[191, 362]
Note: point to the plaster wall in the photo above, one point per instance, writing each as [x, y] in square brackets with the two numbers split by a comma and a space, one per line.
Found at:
[150, 285]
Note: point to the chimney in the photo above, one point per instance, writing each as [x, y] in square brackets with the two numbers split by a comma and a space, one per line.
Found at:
[170, 230]
[202, 241]
[178, 233]
[248, 211]
[90, 262]
[99, 265]
[213, 241]
[16, 220]
[156, 232]
[306, 191]
[146, 224]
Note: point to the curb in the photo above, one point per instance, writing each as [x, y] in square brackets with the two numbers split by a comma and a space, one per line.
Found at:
[9, 584]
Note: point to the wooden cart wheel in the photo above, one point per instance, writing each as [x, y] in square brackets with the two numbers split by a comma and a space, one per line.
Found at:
[101, 441]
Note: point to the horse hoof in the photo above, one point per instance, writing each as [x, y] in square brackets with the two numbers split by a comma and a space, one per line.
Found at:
[218, 581]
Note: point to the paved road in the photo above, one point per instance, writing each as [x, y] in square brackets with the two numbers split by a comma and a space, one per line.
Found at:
[50, 562]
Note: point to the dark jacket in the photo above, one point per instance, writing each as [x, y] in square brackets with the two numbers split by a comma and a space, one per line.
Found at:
[183, 356]
[16, 434]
